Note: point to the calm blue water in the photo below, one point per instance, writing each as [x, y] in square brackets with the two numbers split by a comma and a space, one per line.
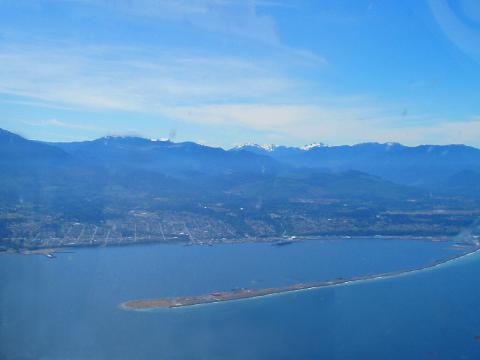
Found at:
[66, 308]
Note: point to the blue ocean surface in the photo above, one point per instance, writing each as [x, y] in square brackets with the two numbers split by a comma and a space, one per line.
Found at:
[68, 307]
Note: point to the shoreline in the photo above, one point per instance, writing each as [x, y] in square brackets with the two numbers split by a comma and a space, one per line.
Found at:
[247, 240]
[244, 294]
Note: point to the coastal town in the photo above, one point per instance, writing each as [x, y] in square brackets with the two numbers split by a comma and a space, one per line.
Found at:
[226, 225]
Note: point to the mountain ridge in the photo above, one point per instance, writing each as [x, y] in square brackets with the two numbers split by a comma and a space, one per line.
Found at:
[427, 166]
[128, 188]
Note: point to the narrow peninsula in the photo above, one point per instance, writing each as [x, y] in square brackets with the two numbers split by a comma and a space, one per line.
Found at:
[239, 294]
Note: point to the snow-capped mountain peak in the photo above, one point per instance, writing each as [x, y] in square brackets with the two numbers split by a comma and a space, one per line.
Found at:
[312, 146]
[269, 147]
[252, 146]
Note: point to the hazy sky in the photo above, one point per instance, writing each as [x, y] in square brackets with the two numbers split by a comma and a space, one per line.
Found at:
[227, 72]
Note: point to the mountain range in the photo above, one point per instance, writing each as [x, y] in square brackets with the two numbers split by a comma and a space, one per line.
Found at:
[424, 165]
[245, 191]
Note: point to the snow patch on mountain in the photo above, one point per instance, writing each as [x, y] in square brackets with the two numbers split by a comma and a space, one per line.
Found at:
[312, 146]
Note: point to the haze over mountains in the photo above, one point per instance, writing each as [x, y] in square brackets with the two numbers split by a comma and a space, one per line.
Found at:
[426, 166]
[423, 165]
[47, 189]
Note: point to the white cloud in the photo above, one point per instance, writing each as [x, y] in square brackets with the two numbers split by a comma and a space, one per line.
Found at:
[335, 124]
[238, 18]
[63, 124]
[135, 81]
[229, 18]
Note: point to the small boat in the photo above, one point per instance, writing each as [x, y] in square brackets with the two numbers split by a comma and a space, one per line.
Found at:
[283, 242]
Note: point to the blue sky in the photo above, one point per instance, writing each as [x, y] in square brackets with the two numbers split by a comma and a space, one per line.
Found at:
[226, 72]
